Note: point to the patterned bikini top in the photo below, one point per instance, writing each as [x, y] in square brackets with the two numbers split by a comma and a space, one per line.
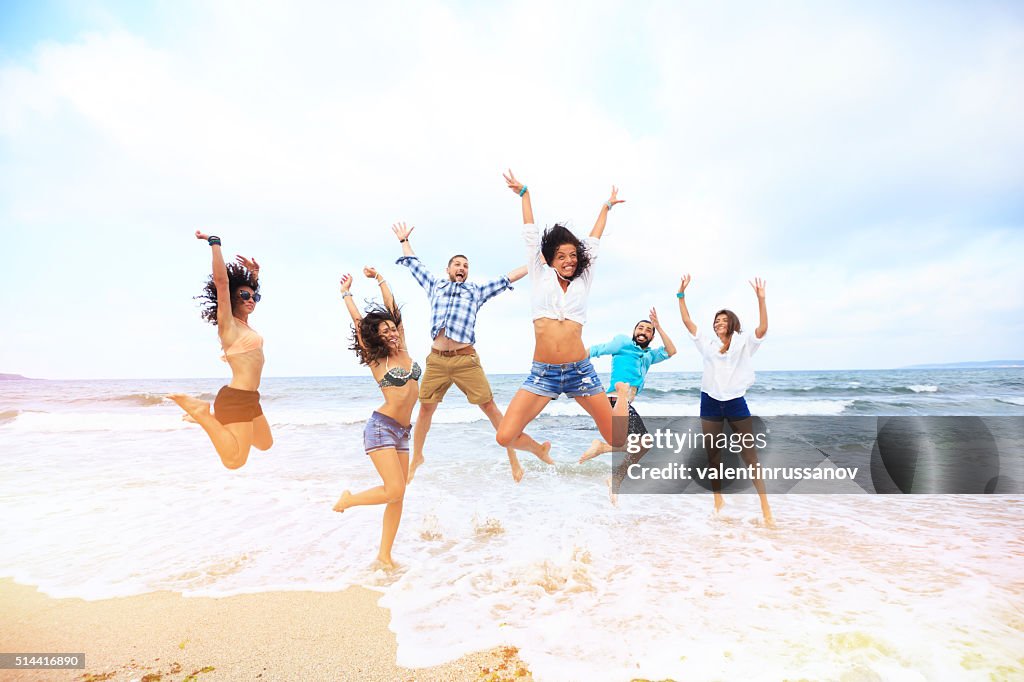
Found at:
[396, 376]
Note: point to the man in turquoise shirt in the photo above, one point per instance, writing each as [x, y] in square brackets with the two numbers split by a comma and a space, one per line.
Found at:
[631, 359]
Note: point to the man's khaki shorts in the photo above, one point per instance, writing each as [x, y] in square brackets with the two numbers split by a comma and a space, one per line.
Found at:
[462, 370]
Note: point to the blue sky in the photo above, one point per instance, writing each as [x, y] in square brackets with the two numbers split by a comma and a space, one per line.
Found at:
[864, 159]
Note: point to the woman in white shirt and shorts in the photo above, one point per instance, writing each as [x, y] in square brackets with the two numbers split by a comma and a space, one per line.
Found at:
[728, 373]
[561, 271]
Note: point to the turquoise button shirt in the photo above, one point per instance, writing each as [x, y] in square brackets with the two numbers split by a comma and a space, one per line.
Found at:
[630, 362]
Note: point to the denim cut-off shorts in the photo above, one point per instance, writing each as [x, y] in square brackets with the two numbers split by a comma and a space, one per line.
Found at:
[383, 432]
[720, 410]
[575, 379]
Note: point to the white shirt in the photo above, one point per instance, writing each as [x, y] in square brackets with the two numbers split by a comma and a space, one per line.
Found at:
[727, 375]
[547, 300]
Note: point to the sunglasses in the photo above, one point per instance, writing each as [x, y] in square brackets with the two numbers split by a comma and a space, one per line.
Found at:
[245, 296]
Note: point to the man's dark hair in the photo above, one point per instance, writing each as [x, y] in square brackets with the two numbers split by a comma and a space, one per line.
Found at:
[458, 255]
[373, 349]
[556, 236]
[238, 277]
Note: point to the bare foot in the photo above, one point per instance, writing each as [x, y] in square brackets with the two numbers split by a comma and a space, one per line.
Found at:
[386, 564]
[417, 460]
[545, 453]
[612, 495]
[769, 520]
[719, 502]
[517, 470]
[194, 407]
[343, 502]
[597, 447]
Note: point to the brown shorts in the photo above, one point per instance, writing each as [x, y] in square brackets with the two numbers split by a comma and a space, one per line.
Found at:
[233, 405]
[462, 370]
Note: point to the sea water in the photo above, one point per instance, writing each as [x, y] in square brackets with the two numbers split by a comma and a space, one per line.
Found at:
[105, 491]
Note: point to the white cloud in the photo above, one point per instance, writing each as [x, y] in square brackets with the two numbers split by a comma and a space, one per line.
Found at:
[753, 144]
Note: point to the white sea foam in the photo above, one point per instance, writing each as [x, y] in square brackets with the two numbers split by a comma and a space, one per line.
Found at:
[859, 587]
[923, 388]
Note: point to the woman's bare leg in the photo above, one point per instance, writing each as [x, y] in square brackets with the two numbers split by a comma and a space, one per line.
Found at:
[523, 409]
[714, 429]
[393, 468]
[598, 407]
[392, 515]
[745, 426]
[262, 439]
[524, 442]
[232, 441]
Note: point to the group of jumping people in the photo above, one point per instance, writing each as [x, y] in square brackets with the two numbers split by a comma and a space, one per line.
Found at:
[561, 270]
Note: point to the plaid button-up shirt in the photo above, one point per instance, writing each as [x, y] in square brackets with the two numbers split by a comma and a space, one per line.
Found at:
[453, 305]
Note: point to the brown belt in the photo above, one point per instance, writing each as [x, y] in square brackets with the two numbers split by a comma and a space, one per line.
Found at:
[467, 350]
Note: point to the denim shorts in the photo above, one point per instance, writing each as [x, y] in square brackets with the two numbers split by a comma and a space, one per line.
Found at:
[575, 379]
[719, 410]
[383, 432]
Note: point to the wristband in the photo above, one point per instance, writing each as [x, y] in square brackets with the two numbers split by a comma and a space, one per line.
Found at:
[381, 282]
[213, 240]
[681, 294]
[346, 293]
[609, 204]
[402, 241]
[522, 191]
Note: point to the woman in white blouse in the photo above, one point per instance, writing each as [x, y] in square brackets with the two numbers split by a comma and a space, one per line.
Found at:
[728, 373]
[561, 271]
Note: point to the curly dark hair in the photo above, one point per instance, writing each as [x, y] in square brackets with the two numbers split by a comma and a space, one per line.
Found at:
[556, 236]
[238, 277]
[373, 349]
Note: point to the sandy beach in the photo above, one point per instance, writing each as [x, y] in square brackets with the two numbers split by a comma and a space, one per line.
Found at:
[268, 636]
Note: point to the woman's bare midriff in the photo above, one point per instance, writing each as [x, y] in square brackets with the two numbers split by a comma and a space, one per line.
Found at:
[558, 341]
[246, 370]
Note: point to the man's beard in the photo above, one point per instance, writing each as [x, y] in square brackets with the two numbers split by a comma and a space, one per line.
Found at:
[644, 344]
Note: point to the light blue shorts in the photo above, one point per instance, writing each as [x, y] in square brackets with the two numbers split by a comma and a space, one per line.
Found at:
[574, 379]
[383, 432]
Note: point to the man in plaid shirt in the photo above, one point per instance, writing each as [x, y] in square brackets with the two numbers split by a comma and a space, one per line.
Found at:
[454, 303]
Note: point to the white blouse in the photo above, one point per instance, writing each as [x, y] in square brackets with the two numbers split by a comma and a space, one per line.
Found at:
[547, 299]
[727, 375]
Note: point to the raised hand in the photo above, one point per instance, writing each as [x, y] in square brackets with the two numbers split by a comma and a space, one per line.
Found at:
[511, 181]
[202, 235]
[758, 286]
[614, 198]
[684, 282]
[654, 318]
[346, 283]
[370, 272]
[249, 264]
[401, 231]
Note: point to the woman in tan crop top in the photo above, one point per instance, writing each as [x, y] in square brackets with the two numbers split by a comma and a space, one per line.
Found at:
[237, 422]
[378, 339]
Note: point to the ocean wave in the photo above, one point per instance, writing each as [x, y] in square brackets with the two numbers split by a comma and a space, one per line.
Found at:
[67, 422]
[923, 388]
[1010, 401]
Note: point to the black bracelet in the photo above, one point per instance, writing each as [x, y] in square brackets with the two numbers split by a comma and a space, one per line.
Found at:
[213, 240]
[400, 241]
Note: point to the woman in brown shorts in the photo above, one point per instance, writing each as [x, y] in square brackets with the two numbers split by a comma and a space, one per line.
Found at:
[237, 422]
[378, 339]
